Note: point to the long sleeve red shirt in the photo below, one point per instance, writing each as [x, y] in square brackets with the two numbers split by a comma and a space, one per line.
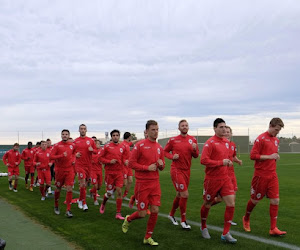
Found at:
[215, 150]
[82, 145]
[112, 151]
[144, 154]
[42, 156]
[96, 164]
[265, 144]
[27, 156]
[13, 158]
[61, 161]
[181, 145]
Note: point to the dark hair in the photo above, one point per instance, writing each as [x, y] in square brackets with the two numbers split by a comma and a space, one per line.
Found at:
[65, 130]
[16, 144]
[126, 135]
[183, 120]
[48, 139]
[218, 121]
[150, 122]
[29, 143]
[97, 141]
[43, 142]
[82, 125]
[276, 121]
[94, 137]
[38, 143]
[114, 131]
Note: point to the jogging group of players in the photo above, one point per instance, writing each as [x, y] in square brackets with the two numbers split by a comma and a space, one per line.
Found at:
[85, 157]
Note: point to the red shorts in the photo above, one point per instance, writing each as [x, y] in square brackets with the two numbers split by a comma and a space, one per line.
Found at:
[234, 182]
[180, 179]
[44, 176]
[127, 172]
[264, 186]
[96, 177]
[29, 169]
[212, 188]
[13, 171]
[147, 193]
[113, 180]
[64, 177]
[83, 173]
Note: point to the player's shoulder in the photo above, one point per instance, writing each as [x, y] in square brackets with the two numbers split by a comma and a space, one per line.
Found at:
[140, 143]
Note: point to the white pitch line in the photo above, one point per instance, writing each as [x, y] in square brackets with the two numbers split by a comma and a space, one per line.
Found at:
[215, 228]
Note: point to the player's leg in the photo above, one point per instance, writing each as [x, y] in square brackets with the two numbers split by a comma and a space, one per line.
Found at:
[31, 180]
[119, 202]
[228, 217]
[175, 205]
[10, 180]
[82, 186]
[26, 176]
[109, 182]
[16, 174]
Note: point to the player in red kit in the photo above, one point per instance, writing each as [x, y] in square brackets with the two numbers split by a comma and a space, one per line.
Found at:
[183, 148]
[84, 146]
[27, 157]
[215, 157]
[96, 173]
[232, 156]
[42, 163]
[64, 155]
[265, 180]
[12, 160]
[112, 155]
[146, 159]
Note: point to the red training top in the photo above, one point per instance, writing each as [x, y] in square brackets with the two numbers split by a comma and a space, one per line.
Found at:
[57, 153]
[96, 164]
[113, 151]
[144, 154]
[215, 150]
[82, 145]
[27, 156]
[42, 156]
[265, 144]
[13, 158]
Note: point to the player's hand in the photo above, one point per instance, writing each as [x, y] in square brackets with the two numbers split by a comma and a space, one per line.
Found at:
[274, 156]
[240, 162]
[17, 163]
[38, 163]
[113, 161]
[175, 156]
[194, 145]
[65, 154]
[50, 164]
[152, 167]
[78, 154]
[7, 165]
[227, 162]
[126, 163]
[91, 149]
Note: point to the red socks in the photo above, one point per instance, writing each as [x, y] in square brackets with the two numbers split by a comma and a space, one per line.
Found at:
[175, 205]
[119, 205]
[42, 189]
[182, 205]
[249, 209]
[69, 200]
[134, 216]
[204, 213]
[105, 198]
[151, 225]
[31, 181]
[56, 198]
[273, 215]
[82, 195]
[229, 211]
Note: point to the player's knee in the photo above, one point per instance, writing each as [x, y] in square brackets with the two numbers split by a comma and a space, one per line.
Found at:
[154, 209]
[142, 213]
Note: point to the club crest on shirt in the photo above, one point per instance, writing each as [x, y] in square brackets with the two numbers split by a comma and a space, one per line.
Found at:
[227, 145]
[31, 152]
[158, 151]
[71, 147]
[190, 141]
[48, 155]
[121, 150]
[276, 143]
[17, 154]
[88, 142]
[232, 148]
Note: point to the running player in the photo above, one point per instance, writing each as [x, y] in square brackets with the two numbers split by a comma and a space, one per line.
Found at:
[265, 179]
[42, 163]
[112, 155]
[64, 155]
[27, 156]
[96, 173]
[183, 148]
[215, 157]
[84, 147]
[12, 160]
[146, 159]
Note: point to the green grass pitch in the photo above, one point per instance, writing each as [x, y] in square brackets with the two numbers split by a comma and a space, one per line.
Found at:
[92, 230]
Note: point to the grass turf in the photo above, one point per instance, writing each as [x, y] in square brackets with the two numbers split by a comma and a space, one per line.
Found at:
[91, 230]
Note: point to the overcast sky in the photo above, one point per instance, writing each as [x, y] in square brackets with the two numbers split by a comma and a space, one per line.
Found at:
[116, 64]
